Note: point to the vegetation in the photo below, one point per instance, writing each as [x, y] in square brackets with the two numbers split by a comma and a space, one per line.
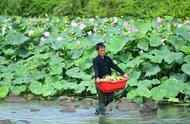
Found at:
[93, 8]
[53, 56]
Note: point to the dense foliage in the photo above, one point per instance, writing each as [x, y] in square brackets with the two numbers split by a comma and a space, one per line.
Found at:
[53, 56]
[93, 8]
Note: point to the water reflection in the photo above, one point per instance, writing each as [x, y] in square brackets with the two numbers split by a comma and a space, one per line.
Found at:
[20, 113]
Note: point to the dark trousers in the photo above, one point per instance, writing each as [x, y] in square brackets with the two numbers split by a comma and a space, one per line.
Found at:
[103, 100]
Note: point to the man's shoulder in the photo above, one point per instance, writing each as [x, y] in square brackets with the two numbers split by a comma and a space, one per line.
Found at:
[95, 59]
[107, 57]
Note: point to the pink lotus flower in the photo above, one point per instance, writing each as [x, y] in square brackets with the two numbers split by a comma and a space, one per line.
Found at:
[92, 20]
[78, 42]
[82, 26]
[178, 25]
[141, 52]
[188, 29]
[187, 21]
[125, 24]
[162, 41]
[17, 21]
[89, 32]
[46, 20]
[30, 33]
[94, 29]
[59, 38]
[73, 24]
[31, 20]
[46, 34]
[133, 29]
[159, 20]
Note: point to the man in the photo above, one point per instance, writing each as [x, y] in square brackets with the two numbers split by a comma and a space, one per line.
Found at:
[102, 66]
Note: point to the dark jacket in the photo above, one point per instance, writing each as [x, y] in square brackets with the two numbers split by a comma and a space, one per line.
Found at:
[102, 66]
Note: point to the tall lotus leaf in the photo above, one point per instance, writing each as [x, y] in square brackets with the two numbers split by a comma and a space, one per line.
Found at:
[18, 89]
[186, 68]
[158, 93]
[82, 85]
[187, 88]
[144, 83]
[132, 82]
[21, 71]
[154, 58]
[148, 83]
[92, 88]
[125, 57]
[9, 52]
[155, 81]
[84, 64]
[4, 90]
[92, 40]
[179, 76]
[69, 85]
[76, 73]
[132, 94]
[15, 38]
[151, 69]
[61, 43]
[177, 41]
[187, 59]
[182, 31]
[73, 45]
[175, 89]
[52, 79]
[48, 90]
[36, 87]
[143, 45]
[116, 44]
[154, 40]
[142, 26]
[143, 91]
[77, 54]
[36, 74]
[56, 65]
[134, 63]
[185, 49]
[3, 60]
[134, 74]
[56, 69]
[59, 85]
[72, 71]
[174, 57]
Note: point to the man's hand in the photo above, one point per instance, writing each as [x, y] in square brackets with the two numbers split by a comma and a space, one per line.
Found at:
[126, 75]
[98, 80]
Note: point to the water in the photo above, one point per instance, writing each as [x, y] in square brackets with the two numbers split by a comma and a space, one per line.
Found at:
[20, 114]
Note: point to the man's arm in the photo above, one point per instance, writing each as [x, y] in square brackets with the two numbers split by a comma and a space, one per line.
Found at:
[95, 65]
[116, 67]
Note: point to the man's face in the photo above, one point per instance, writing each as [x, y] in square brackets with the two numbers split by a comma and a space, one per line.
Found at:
[101, 51]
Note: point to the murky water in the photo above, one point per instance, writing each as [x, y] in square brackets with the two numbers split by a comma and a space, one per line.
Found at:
[20, 114]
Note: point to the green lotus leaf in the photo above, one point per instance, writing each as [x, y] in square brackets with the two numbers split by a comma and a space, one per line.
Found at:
[4, 90]
[151, 69]
[15, 38]
[36, 87]
[186, 68]
[155, 40]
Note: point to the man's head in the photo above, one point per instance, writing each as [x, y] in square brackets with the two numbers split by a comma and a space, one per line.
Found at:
[100, 47]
